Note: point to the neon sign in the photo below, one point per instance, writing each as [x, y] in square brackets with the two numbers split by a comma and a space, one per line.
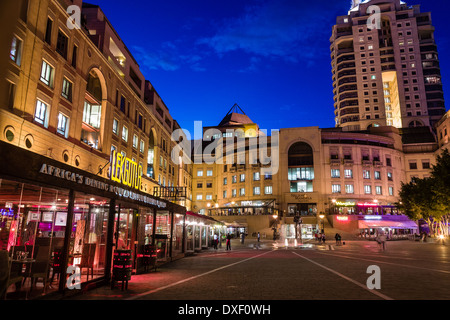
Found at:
[342, 218]
[345, 204]
[373, 217]
[7, 213]
[367, 204]
[125, 171]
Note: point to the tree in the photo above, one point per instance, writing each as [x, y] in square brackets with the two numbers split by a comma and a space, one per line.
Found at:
[429, 198]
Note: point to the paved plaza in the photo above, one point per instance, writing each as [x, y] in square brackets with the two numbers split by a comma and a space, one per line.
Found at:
[406, 270]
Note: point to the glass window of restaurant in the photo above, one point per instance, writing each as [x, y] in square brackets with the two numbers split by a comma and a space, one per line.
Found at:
[177, 238]
[87, 248]
[144, 238]
[32, 229]
[162, 234]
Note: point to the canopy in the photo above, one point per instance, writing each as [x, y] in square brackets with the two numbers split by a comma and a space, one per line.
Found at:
[366, 224]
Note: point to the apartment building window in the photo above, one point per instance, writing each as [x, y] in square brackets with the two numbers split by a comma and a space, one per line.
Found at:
[199, 197]
[377, 175]
[413, 165]
[225, 181]
[378, 190]
[242, 192]
[425, 164]
[225, 194]
[209, 173]
[349, 189]
[234, 193]
[16, 50]
[199, 185]
[47, 74]
[74, 56]
[256, 176]
[366, 174]
[268, 190]
[234, 179]
[115, 126]
[391, 191]
[209, 185]
[125, 133]
[67, 89]
[135, 141]
[40, 116]
[335, 173]
[388, 162]
[142, 147]
[62, 127]
[256, 191]
[368, 189]
[62, 44]
[140, 121]
[336, 188]
[48, 31]
[122, 104]
[267, 177]
[242, 178]
[389, 176]
[348, 173]
[209, 197]
[200, 173]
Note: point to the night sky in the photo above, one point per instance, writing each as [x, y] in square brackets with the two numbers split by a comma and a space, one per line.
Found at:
[271, 57]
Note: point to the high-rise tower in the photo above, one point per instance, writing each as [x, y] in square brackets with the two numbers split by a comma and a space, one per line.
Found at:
[385, 67]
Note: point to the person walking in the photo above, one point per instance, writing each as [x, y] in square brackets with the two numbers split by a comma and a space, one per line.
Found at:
[215, 241]
[242, 237]
[259, 237]
[323, 238]
[336, 236]
[229, 241]
[383, 241]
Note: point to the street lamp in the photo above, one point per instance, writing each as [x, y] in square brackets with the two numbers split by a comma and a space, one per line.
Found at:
[321, 216]
[275, 227]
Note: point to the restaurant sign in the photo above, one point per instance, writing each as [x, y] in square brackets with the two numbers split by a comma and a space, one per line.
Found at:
[90, 182]
[125, 171]
[345, 203]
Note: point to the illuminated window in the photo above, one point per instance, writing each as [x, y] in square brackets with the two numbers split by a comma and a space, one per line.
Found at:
[256, 191]
[349, 188]
[40, 115]
[135, 141]
[16, 50]
[368, 189]
[62, 124]
[268, 190]
[67, 89]
[125, 133]
[336, 188]
[200, 173]
[115, 126]
[142, 146]
[47, 74]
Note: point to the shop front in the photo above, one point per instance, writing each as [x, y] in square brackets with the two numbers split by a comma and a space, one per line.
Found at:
[200, 230]
[60, 225]
[247, 207]
[362, 207]
[396, 227]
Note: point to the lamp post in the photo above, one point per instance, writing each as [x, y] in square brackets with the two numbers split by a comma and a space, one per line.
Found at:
[321, 216]
[275, 227]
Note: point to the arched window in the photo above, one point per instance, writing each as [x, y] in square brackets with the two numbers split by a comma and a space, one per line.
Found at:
[301, 167]
[92, 112]
[415, 123]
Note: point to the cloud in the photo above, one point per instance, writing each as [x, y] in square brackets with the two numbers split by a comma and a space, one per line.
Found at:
[286, 29]
[168, 58]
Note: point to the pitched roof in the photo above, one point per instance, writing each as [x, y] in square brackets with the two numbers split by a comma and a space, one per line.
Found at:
[235, 116]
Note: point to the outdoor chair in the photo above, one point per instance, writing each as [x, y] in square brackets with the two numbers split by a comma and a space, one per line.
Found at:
[87, 259]
[8, 275]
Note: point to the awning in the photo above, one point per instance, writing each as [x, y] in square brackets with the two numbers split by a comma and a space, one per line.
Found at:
[387, 224]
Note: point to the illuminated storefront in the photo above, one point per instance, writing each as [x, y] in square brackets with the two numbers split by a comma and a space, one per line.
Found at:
[59, 216]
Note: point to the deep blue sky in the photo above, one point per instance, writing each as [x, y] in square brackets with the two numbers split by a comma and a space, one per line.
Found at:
[271, 57]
